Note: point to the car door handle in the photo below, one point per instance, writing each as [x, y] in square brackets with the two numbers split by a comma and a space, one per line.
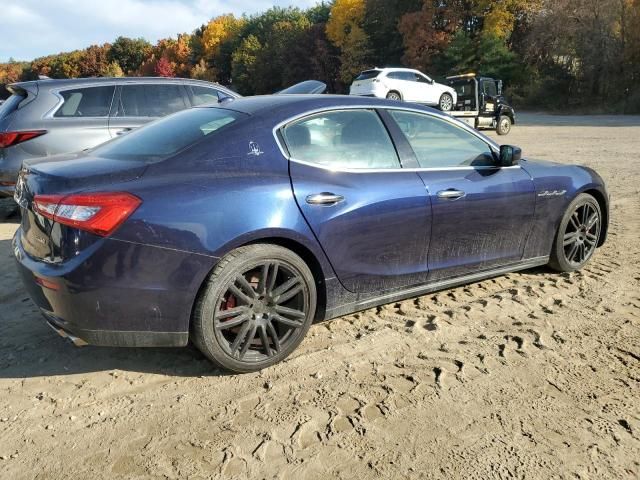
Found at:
[123, 131]
[324, 198]
[450, 194]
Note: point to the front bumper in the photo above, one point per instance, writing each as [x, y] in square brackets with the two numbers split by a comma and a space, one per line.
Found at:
[115, 293]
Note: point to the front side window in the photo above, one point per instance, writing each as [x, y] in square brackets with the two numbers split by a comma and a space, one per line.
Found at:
[351, 139]
[440, 144]
[150, 100]
[168, 136]
[86, 102]
[489, 88]
[202, 95]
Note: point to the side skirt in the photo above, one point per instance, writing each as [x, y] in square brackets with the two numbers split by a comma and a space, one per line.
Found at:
[395, 296]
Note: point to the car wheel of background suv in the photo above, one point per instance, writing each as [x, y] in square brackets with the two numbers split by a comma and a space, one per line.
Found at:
[393, 95]
[255, 309]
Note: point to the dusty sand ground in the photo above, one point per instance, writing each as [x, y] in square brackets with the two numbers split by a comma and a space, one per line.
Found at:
[532, 375]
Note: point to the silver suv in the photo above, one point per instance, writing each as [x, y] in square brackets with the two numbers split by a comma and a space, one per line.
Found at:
[47, 117]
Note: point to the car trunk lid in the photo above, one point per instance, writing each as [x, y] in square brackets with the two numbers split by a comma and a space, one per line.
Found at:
[49, 241]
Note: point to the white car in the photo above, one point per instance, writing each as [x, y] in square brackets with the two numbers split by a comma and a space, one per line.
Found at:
[404, 84]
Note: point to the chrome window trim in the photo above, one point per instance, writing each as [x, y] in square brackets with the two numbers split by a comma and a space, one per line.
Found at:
[456, 123]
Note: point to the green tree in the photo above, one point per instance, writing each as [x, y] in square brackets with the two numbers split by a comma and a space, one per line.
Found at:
[244, 64]
[130, 53]
[381, 26]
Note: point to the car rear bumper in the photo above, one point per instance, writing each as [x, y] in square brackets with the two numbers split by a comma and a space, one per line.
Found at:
[116, 293]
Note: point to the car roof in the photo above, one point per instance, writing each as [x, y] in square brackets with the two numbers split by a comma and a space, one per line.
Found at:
[275, 104]
[75, 82]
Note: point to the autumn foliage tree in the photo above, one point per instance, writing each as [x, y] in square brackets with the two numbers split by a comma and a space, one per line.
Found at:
[555, 53]
[345, 30]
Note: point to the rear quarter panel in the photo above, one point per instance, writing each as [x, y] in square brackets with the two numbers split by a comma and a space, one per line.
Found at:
[212, 199]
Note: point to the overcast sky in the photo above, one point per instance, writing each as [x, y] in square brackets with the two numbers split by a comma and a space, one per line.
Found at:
[33, 28]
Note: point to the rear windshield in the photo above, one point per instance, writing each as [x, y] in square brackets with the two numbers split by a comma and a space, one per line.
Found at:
[368, 75]
[163, 138]
[12, 104]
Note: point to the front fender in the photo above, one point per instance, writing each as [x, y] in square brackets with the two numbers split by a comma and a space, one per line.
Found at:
[556, 185]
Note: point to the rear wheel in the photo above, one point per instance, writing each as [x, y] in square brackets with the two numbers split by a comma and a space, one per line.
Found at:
[255, 309]
[446, 102]
[393, 95]
[578, 234]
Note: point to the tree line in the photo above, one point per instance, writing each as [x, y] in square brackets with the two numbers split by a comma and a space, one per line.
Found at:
[552, 54]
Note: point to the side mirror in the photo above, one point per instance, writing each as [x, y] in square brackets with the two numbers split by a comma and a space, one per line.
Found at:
[499, 86]
[509, 155]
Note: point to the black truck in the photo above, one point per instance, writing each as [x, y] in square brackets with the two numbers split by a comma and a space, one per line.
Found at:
[481, 103]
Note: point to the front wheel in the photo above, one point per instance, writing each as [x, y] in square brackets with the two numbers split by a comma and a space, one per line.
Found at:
[255, 309]
[446, 102]
[578, 234]
[504, 125]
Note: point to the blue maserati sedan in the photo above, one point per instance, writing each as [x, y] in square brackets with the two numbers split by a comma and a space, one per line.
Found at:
[237, 225]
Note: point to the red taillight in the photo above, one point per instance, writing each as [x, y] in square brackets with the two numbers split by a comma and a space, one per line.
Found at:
[100, 213]
[43, 282]
[8, 139]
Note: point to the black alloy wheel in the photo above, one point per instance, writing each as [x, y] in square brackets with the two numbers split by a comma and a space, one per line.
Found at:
[259, 306]
[578, 235]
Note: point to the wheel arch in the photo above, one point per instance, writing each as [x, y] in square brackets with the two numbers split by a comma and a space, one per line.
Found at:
[604, 204]
[299, 248]
[395, 90]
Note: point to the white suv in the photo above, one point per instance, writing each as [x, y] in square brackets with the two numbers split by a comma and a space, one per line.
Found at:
[404, 84]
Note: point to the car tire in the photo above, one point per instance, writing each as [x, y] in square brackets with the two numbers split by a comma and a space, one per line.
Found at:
[504, 125]
[578, 234]
[446, 102]
[243, 320]
[393, 95]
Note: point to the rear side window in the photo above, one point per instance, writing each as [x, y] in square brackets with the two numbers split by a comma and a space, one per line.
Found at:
[440, 144]
[86, 102]
[150, 100]
[408, 76]
[168, 136]
[11, 104]
[202, 95]
[368, 75]
[352, 139]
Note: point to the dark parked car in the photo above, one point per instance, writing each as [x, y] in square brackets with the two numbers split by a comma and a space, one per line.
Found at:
[237, 226]
[47, 117]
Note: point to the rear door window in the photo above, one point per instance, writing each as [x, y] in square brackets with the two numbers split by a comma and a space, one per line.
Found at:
[86, 102]
[10, 105]
[150, 100]
[351, 139]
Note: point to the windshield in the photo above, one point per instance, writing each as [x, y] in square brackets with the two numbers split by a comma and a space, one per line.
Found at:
[166, 137]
